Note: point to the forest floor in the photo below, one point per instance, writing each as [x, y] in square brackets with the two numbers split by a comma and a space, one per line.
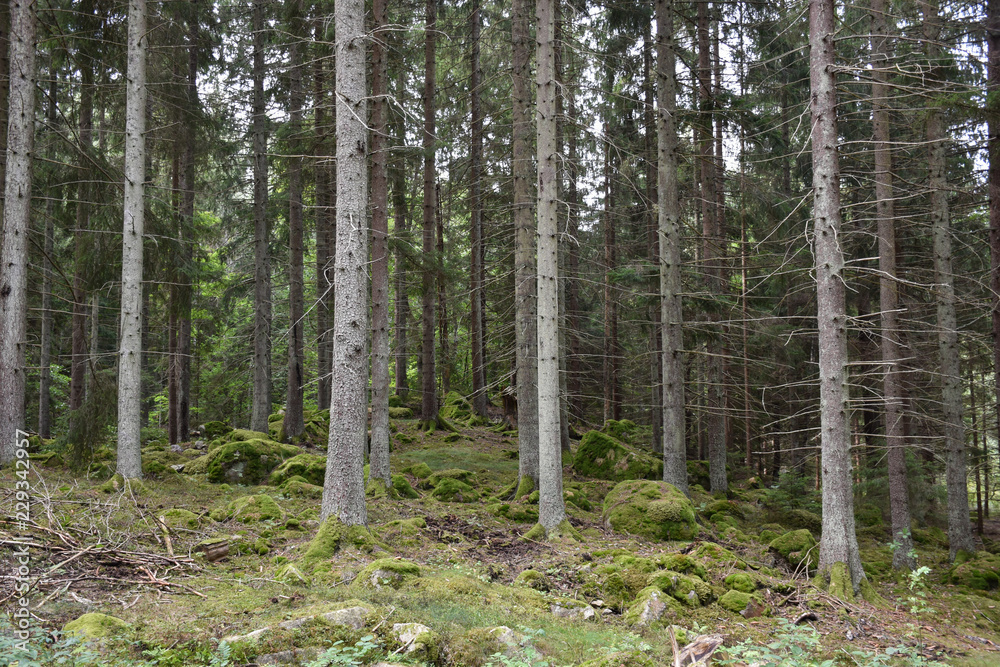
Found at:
[129, 553]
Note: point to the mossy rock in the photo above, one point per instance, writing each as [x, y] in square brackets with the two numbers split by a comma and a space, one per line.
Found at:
[684, 564]
[718, 555]
[577, 497]
[213, 430]
[601, 456]
[236, 435]
[650, 606]
[738, 601]
[741, 581]
[117, 484]
[804, 519]
[690, 590]
[246, 462]
[47, 459]
[517, 512]
[419, 470]
[400, 413]
[182, 518]
[723, 507]
[979, 573]
[403, 488]
[251, 509]
[387, 572]
[698, 474]
[622, 659]
[156, 469]
[620, 430]
[435, 478]
[455, 407]
[766, 536]
[333, 536]
[655, 510]
[796, 547]
[454, 491]
[866, 516]
[930, 536]
[404, 532]
[95, 626]
[310, 467]
[722, 521]
[533, 579]
[477, 645]
[396, 401]
[300, 488]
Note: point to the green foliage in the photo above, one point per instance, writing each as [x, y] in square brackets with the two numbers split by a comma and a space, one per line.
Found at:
[603, 457]
[343, 654]
[94, 422]
[44, 649]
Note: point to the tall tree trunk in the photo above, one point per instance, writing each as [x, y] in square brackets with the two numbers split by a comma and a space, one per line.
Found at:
[324, 220]
[17, 215]
[892, 387]
[4, 95]
[402, 233]
[525, 323]
[573, 371]
[294, 424]
[428, 380]
[45, 338]
[551, 507]
[442, 295]
[261, 400]
[839, 558]
[187, 236]
[670, 233]
[652, 240]
[993, 178]
[344, 487]
[78, 342]
[130, 345]
[609, 358]
[379, 457]
[959, 527]
[476, 293]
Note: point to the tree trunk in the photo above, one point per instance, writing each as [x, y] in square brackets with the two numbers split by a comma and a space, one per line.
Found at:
[78, 363]
[573, 371]
[130, 345]
[261, 401]
[187, 232]
[993, 178]
[609, 358]
[379, 457]
[839, 558]
[652, 240]
[899, 504]
[670, 233]
[959, 527]
[324, 220]
[344, 487]
[525, 323]
[17, 215]
[293, 424]
[402, 233]
[428, 380]
[442, 297]
[4, 95]
[479, 397]
[45, 338]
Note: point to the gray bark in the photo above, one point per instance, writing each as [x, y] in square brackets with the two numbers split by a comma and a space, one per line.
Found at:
[261, 401]
[428, 379]
[669, 226]
[130, 345]
[476, 293]
[839, 544]
[16, 218]
[45, 338]
[344, 487]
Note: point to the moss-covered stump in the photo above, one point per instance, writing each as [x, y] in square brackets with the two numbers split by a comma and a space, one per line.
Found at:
[690, 590]
[252, 509]
[95, 626]
[797, 547]
[603, 457]
[979, 573]
[655, 510]
[387, 572]
[454, 491]
[620, 429]
[310, 467]
[247, 461]
[333, 536]
[118, 484]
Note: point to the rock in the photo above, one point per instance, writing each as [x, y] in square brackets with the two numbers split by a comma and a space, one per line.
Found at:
[200, 444]
[505, 636]
[295, 656]
[650, 606]
[454, 491]
[177, 467]
[600, 455]
[95, 626]
[297, 486]
[532, 579]
[738, 601]
[414, 637]
[586, 612]
[176, 449]
[251, 509]
[740, 581]
[804, 519]
[241, 457]
[182, 518]
[400, 413]
[311, 468]
[402, 487]
[655, 510]
[387, 572]
[796, 547]
[689, 589]
[352, 617]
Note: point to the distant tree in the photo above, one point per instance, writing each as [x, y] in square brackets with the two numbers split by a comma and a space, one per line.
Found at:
[428, 378]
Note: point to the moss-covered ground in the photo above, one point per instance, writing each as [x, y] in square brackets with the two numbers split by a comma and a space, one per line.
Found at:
[129, 552]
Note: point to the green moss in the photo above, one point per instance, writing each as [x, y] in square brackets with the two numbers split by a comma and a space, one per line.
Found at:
[537, 533]
[684, 564]
[532, 579]
[621, 659]
[804, 519]
[979, 573]
[310, 467]
[400, 413]
[95, 626]
[796, 547]
[737, 601]
[251, 509]
[396, 401]
[651, 596]
[333, 536]
[601, 456]
[578, 498]
[454, 491]
[525, 487]
[838, 582]
[403, 488]
[298, 487]
[117, 484]
[213, 430]
[620, 430]
[690, 590]
[246, 461]
[385, 572]
[655, 510]
[465, 476]
[723, 507]
[740, 581]
[767, 536]
[405, 532]
[698, 474]
[515, 512]
[419, 470]
[181, 517]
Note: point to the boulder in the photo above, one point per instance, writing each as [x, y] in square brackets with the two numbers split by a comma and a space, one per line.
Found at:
[310, 468]
[796, 547]
[95, 626]
[602, 456]
[655, 510]
[252, 509]
[387, 572]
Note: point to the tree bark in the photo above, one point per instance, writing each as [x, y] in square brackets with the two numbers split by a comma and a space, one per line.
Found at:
[402, 232]
[16, 218]
[670, 234]
[525, 323]
[993, 179]
[324, 220]
[479, 397]
[78, 363]
[45, 338]
[839, 558]
[344, 487]
[379, 457]
[261, 400]
[892, 388]
[294, 424]
[130, 345]
[428, 379]
[960, 537]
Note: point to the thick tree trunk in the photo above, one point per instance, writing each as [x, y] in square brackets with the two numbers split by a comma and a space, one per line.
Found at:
[294, 424]
[525, 323]
[476, 293]
[379, 457]
[993, 178]
[344, 487]
[130, 342]
[4, 95]
[551, 507]
[324, 220]
[261, 399]
[892, 388]
[670, 233]
[839, 558]
[428, 379]
[17, 215]
[956, 474]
